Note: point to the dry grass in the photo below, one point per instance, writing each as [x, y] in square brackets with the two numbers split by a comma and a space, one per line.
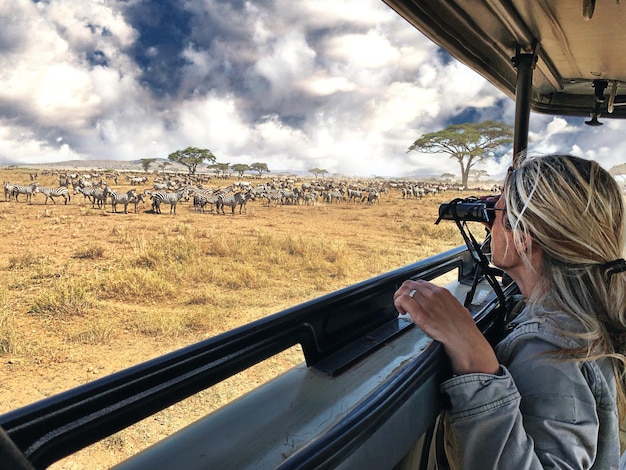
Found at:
[88, 292]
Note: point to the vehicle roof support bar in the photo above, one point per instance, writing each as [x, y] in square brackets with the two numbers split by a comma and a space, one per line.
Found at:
[525, 64]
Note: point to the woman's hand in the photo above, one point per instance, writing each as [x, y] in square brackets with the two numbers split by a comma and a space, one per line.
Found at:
[442, 317]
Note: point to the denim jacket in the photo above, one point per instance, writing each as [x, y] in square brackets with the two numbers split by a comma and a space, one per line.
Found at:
[541, 412]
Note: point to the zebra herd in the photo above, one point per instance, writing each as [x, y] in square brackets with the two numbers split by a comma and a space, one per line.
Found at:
[219, 198]
[216, 200]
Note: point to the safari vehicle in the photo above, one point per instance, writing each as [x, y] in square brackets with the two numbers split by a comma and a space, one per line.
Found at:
[367, 394]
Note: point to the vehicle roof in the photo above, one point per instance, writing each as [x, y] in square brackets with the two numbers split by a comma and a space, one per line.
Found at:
[579, 47]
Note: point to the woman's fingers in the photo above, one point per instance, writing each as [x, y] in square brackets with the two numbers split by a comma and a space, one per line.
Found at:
[442, 317]
[434, 309]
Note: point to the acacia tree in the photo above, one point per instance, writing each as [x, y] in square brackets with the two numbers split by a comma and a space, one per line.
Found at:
[146, 162]
[260, 168]
[469, 143]
[240, 168]
[220, 168]
[191, 157]
[318, 171]
[163, 166]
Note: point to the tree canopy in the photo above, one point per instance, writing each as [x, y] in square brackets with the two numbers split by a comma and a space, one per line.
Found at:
[191, 157]
[318, 171]
[240, 168]
[146, 162]
[163, 166]
[469, 143]
[220, 168]
[259, 167]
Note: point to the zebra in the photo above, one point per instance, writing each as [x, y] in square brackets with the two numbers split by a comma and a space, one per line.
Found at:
[136, 180]
[290, 196]
[373, 196]
[138, 198]
[123, 198]
[27, 190]
[8, 191]
[233, 200]
[273, 195]
[355, 195]
[51, 193]
[159, 197]
[99, 196]
[335, 195]
[310, 197]
[86, 192]
[202, 197]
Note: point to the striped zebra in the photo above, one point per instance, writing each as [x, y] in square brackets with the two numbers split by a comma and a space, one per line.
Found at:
[273, 195]
[233, 200]
[335, 195]
[86, 192]
[202, 197]
[8, 191]
[125, 199]
[139, 198]
[355, 195]
[290, 196]
[160, 197]
[100, 196]
[51, 193]
[373, 196]
[95, 195]
[309, 197]
[27, 190]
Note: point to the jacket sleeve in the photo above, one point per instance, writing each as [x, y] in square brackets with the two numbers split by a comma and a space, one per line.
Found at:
[540, 413]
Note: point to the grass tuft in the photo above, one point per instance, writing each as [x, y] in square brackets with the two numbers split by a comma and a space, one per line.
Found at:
[68, 298]
[134, 284]
[98, 331]
[9, 341]
[90, 252]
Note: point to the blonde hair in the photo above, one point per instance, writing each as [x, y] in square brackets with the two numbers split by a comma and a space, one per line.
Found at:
[574, 210]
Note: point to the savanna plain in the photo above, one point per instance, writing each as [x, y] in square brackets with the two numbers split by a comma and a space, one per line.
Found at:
[87, 292]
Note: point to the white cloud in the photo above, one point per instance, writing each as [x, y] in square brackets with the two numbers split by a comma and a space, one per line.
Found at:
[322, 85]
[335, 13]
[290, 59]
[400, 106]
[20, 145]
[65, 93]
[212, 122]
[370, 50]
[293, 84]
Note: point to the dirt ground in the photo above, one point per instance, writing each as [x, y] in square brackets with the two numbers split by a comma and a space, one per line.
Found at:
[48, 359]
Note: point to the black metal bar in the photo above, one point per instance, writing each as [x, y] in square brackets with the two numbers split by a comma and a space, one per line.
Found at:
[56, 427]
[525, 64]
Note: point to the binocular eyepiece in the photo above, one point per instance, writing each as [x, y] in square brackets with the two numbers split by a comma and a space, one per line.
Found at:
[471, 209]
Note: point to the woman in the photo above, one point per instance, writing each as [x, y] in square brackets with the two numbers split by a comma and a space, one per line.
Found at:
[548, 395]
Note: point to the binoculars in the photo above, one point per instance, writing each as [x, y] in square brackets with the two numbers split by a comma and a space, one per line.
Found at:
[471, 209]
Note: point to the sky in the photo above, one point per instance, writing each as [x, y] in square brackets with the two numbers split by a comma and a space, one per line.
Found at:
[342, 85]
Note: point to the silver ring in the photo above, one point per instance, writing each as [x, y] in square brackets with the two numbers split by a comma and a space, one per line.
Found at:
[412, 293]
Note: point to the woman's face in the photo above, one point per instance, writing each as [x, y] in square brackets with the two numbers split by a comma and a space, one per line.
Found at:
[503, 252]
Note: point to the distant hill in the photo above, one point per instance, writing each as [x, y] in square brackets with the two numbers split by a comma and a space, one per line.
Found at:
[101, 165]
